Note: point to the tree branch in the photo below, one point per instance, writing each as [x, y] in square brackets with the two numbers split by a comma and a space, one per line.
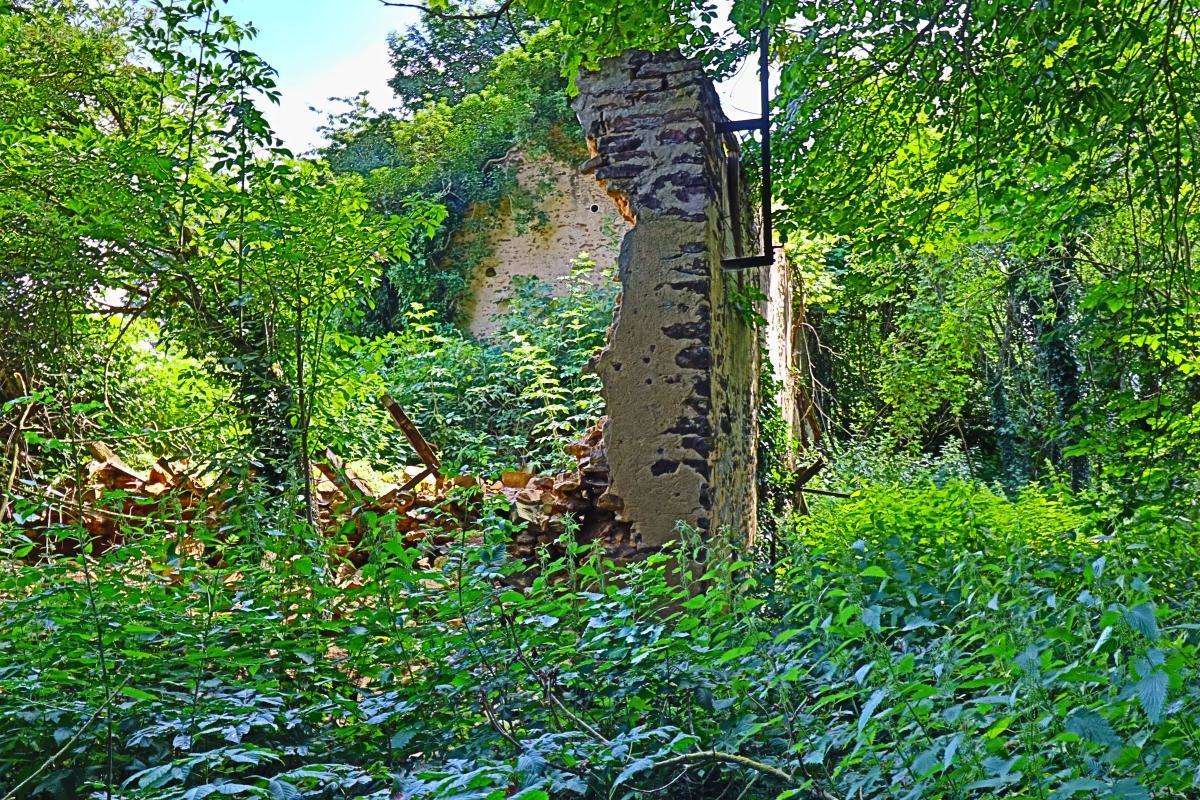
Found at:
[493, 14]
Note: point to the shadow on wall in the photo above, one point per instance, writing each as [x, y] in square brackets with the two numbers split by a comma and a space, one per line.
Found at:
[554, 215]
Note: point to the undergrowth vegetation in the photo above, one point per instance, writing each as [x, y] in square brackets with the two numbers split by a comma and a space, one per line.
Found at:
[512, 402]
[988, 211]
[914, 641]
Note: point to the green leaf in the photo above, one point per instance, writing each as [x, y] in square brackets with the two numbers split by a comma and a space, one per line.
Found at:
[1102, 639]
[868, 709]
[874, 571]
[788, 635]
[871, 617]
[1152, 694]
[400, 739]
[640, 765]
[1128, 789]
[1090, 726]
[1142, 619]
[999, 727]
[951, 750]
[282, 790]
[736, 652]
[136, 694]
[1076, 785]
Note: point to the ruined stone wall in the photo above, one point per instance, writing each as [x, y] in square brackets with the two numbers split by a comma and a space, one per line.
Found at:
[786, 343]
[566, 214]
[680, 369]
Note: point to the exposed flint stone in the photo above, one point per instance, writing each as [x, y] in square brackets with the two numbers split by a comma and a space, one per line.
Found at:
[680, 135]
[591, 165]
[694, 357]
[610, 502]
[698, 426]
[686, 330]
[660, 69]
[609, 171]
[663, 467]
[624, 143]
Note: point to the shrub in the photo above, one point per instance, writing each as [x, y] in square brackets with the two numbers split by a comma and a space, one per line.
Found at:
[923, 642]
[511, 402]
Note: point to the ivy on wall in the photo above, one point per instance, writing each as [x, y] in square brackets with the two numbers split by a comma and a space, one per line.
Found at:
[452, 148]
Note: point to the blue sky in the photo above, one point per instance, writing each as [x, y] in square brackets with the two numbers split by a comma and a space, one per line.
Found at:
[337, 48]
[322, 49]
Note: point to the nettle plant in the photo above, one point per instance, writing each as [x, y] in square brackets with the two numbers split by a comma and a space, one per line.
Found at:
[519, 398]
[912, 642]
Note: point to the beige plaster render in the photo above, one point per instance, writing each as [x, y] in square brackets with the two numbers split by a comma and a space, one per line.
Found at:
[570, 215]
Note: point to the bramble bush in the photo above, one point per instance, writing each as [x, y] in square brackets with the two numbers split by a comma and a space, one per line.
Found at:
[915, 641]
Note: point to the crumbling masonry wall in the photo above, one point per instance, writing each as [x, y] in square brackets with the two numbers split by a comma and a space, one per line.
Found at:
[570, 216]
[681, 366]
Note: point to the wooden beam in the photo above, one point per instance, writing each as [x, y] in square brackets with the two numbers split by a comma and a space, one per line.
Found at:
[414, 480]
[410, 431]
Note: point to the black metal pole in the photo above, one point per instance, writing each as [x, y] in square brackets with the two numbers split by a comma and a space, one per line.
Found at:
[764, 81]
[763, 125]
[764, 87]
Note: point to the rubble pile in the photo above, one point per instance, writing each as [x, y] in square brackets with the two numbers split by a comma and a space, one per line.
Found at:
[578, 499]
[347, 499]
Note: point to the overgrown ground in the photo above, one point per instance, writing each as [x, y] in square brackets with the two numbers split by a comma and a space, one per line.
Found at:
[914, 641]
[990, 210]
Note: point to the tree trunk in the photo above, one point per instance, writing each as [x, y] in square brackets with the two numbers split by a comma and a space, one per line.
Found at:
[268, 403]
[1062, 367]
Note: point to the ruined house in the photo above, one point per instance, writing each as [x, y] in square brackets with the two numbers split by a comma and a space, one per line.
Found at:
[661, 198]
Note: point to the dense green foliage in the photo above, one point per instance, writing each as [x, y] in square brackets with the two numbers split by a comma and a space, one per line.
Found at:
[139, 192]
[264, 277]
[915, 641]
[509, 403]
[1010, 193]
[451, 149]
[995, 206]
[989, 209]
[445, 59]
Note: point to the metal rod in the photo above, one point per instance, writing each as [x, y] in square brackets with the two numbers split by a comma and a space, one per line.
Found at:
[763, 125]
[747, 262]
[732, 126]
[764, 90]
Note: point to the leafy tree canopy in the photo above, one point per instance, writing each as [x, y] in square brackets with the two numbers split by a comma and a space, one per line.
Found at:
[447, 58]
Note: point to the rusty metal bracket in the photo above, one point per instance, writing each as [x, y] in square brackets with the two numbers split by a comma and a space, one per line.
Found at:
[762, 124]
